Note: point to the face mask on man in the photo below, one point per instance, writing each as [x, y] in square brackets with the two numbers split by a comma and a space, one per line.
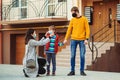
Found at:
[74, 15]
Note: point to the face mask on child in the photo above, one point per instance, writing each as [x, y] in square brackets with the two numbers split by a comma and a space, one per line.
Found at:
[50, 31]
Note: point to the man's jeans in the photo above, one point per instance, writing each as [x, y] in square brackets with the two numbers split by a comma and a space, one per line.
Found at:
[82, 48]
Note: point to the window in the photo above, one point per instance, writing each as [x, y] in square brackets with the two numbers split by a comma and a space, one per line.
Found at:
[23, 12]
[15, 3]
[23, 8]
[51, 7]
[23, 3]
[61, 0]
[89, 14]
[51, 10]
[51, 1]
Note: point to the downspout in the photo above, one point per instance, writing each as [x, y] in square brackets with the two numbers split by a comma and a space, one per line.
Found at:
[1, 56]
[77, 3]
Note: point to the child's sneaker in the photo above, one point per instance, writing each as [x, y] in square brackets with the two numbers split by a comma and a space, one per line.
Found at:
[48, 74]
[53, 74]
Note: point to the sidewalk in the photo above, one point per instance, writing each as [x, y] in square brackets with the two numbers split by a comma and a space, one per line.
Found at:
[14, 72]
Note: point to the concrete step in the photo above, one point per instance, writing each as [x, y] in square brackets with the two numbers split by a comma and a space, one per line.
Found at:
[63, 57]
[68, 61]
[67, 64]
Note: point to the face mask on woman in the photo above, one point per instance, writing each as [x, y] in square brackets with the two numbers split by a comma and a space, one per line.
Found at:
[34, 36]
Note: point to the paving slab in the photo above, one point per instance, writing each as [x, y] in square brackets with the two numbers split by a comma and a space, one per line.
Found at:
[14, 72]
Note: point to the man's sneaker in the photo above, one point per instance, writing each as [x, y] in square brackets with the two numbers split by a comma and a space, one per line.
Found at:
[71, 73]
[48, 74]
[53, 74]
[82, 73]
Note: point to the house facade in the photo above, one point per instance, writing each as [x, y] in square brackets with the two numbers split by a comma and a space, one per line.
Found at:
[0, 33]
[19, 15]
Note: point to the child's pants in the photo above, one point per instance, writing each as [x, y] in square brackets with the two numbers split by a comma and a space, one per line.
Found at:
[51, 56]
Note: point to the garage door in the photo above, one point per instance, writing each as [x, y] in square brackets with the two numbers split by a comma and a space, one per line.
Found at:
[20, 48]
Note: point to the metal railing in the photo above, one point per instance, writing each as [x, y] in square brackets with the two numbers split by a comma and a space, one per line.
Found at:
[106, 34]
[34, 10]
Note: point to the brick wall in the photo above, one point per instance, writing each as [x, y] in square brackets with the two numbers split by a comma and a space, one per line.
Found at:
[109, 61]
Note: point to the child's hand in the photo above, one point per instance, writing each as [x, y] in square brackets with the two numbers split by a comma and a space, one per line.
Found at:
[61, 44]
[51, 34]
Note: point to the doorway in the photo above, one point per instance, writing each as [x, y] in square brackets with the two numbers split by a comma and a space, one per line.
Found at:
[104, 12]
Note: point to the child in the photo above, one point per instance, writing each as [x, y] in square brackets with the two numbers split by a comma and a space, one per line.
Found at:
[51, 49]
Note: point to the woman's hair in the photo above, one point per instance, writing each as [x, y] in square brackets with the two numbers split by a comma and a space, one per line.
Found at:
[28, 35]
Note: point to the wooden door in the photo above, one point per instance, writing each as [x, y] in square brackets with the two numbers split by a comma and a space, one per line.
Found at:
[101, 17]
[20, 48]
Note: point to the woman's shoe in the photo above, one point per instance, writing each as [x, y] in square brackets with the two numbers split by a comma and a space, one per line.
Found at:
[25, 73]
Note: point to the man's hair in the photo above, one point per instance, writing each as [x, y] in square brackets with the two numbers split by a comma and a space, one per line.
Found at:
[74, 8]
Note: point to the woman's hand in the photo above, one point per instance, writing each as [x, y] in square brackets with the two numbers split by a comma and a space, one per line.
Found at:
[47, 34]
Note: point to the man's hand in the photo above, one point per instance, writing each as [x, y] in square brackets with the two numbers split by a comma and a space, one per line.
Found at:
[65, 41]
[86, 42]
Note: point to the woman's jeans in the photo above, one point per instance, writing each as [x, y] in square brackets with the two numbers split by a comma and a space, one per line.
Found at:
[82, 48]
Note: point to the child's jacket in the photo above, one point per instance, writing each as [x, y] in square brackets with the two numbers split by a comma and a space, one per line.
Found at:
[52, 46]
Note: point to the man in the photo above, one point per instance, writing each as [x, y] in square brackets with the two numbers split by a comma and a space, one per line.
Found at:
[79, 31]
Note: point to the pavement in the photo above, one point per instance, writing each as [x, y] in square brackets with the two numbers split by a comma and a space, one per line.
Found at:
[14, 72]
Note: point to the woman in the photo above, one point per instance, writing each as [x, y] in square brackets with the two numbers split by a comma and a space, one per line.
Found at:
[30, 52]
